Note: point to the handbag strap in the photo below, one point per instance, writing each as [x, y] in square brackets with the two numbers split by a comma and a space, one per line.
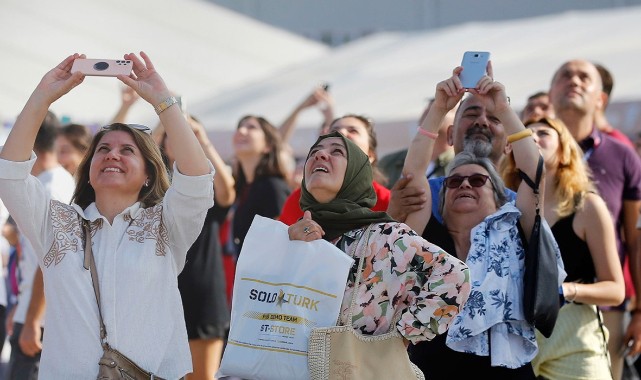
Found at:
[359, 272]
[605, 339]
[90, 265]
[534, 184]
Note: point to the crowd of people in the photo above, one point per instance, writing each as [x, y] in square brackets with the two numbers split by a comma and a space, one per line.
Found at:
[447, 221]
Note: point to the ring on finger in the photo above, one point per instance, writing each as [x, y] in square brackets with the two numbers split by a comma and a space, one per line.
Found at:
[307, 231]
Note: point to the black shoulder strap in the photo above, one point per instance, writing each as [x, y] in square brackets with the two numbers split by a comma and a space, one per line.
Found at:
[539, 171]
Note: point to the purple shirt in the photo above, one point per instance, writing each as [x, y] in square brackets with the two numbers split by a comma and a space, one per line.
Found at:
[616, 171]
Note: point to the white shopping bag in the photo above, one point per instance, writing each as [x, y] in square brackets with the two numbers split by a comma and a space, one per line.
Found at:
[282, 290]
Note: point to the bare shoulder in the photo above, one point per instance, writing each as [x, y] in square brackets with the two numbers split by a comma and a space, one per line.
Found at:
[593, 204]
[593, 213]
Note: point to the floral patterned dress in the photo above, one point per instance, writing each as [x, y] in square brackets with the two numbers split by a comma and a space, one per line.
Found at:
[494, 312]
[402, 273]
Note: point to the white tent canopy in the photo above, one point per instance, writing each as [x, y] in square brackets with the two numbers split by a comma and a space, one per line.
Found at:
[226, 65]
[201, 49]
[388, 76]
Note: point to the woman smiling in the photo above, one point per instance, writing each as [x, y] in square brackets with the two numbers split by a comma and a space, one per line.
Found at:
[125, 215]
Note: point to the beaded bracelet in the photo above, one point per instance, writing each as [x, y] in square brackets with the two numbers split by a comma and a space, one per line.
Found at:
[519, 135]
[427, 133]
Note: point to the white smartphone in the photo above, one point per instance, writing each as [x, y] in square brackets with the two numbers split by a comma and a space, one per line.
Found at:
[474, 67]
[102, 67]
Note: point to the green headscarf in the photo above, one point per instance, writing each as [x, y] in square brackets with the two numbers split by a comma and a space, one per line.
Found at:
[351, 208]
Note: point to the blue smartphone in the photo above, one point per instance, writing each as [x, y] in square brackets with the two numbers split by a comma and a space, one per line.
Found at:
[474, 67]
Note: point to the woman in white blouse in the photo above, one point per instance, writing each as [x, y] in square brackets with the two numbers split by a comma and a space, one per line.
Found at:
[140, 226]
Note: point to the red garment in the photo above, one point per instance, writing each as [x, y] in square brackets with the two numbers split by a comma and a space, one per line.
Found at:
[620, 136]
[292, 212]
[627, 276]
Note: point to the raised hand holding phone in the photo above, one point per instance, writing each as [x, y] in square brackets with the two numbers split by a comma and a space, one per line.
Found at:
[474, 65]
[102, 67]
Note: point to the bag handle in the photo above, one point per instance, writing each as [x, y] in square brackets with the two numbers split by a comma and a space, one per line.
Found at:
[90, 265]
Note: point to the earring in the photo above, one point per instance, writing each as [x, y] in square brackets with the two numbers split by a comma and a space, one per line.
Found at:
[147, 183]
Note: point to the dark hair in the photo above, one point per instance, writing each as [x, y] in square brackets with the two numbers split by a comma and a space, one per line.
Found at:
[150, 195]
[373, 143]
[46, 136]
[606, 78]
[163, 146]
[371, 134]
[537, 95]
[270, 164]
[78, 135]
[607, 82]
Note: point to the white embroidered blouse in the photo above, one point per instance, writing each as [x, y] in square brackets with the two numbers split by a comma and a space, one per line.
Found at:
[138, 259]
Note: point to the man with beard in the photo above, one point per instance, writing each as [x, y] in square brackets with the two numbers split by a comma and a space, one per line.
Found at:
[474, 130]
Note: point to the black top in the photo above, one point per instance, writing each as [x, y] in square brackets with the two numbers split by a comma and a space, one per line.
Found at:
[265, 197]
[575, 253]
[202, 282]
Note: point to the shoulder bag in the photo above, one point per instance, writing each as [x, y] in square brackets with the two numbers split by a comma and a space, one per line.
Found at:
[113, 364]
[540, 283]
[342, 352]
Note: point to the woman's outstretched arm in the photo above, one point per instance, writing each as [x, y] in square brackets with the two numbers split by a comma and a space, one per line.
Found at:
[56, 83]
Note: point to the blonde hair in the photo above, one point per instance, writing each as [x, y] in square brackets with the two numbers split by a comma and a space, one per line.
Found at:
[573, 176]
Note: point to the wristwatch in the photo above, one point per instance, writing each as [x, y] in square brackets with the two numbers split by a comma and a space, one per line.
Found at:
[170, 101]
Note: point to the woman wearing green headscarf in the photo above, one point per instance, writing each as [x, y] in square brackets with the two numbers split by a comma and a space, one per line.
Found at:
[402, 272]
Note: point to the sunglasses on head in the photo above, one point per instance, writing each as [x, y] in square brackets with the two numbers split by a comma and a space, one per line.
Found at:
[475, 180]
[140, 127]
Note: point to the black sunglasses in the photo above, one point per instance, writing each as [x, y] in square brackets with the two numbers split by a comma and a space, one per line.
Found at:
[140, 127]
[475, 180]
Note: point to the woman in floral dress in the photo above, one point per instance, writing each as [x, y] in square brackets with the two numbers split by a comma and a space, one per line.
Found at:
[403, 273]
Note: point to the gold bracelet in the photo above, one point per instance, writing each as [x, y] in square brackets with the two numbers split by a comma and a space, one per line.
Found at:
[170, 101]
[527, 132]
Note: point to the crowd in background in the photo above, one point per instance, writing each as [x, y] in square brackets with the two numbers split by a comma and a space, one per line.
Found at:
[593, 193]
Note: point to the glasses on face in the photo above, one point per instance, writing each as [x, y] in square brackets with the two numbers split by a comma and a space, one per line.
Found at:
[140, 127]
[475, 180]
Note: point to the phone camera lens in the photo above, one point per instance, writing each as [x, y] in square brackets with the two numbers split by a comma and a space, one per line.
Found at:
[101, 66]
[476, 55]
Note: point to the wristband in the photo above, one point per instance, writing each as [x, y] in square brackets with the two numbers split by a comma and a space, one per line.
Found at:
[170, 101]
[427, 133]
[519, 135]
